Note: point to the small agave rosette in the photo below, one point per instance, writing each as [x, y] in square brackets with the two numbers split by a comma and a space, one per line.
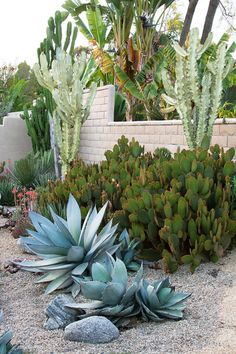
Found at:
[159, 300]
[109, 287]
[68, 248]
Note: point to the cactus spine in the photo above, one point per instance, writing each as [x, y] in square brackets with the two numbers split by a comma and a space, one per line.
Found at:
[66, 81]
[197, 96]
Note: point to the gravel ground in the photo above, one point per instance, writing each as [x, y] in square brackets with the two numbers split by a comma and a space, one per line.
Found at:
[209, 324]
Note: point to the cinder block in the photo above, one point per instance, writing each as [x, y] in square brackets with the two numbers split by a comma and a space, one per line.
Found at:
[227, 129]
[220, 140]
[231, 141]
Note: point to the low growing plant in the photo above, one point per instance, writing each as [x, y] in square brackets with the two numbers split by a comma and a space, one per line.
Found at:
[67, 247]
[120, 301]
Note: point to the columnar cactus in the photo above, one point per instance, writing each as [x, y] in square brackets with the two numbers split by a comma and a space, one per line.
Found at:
[66, 82]
[195, 95]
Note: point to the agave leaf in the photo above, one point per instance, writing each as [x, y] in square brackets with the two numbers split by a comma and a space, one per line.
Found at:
[67, 283]
[6, 338]
[139, 275]
[92, 289]
[129, 255]
[153, 300]
[100, 242]
[40, 237]
[75, 289]
[119, 273]
[93, 226]
[73, 218]
[51, 276]
[81, 237]
[113, 293]
[151, 314]
[75, 254]
[127, 311]
[86, 305]
[45, 262]
[79, 270]
[59, 266]
[106, 229]
[175, 299]
[62, 227]
[47, 250]
[173, 314]
[161, 284]
[100, 273]
[55, 235]
[37, 220]
[129, 295]
[55, 284]
[111, 311]
[164, 294]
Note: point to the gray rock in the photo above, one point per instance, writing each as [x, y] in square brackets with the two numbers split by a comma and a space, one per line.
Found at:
[59, 316]
[94, 329]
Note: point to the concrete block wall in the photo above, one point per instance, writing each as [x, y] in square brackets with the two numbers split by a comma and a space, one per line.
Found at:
[14, 141]
[99, 133]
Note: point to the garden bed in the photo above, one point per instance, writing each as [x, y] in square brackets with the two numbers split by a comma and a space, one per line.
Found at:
[208, 325]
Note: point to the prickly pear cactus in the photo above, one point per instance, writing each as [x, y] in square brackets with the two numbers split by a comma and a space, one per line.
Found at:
[197, 97]
[66, 81]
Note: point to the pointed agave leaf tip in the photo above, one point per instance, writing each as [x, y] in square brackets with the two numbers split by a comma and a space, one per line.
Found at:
[73, 214]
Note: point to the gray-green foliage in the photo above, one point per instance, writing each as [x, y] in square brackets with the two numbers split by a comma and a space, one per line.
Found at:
[118, 300]
[196, 95]
[68, 248]
[5, 341]
[66, 81]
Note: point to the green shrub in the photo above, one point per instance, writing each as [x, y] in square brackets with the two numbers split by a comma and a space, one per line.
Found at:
[6, 196]
[33, 170]
[179, 207]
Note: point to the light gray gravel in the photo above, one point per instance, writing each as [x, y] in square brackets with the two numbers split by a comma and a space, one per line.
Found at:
[208, 326]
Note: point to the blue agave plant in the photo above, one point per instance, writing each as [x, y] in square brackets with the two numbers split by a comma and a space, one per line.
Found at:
[127, 251]
[119, 301]
[66, 247]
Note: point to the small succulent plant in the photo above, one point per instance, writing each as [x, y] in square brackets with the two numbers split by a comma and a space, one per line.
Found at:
[119, 302]
[67, 248]
[5, 342]
[159, 300]
[115, 299]
[127, 250]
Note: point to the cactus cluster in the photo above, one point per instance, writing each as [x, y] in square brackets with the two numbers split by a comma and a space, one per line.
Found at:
[54, 37]
[66, 82]
[38, 128]
[196, 95]
[179, 208]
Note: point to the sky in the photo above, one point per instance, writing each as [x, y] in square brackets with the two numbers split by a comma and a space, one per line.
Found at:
[23, 26]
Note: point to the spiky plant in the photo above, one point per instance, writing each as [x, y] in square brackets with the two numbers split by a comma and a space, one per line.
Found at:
[5, 341]
[66, 247]
[109, 287]
[159, 300]
[127, 250]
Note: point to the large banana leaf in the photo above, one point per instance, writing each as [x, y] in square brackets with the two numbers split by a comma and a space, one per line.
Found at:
[128, 84]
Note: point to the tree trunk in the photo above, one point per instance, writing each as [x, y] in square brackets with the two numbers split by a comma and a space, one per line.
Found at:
[209, 19]
[187, 21]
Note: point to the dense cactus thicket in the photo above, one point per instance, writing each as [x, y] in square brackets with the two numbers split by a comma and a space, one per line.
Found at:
[178, 207]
